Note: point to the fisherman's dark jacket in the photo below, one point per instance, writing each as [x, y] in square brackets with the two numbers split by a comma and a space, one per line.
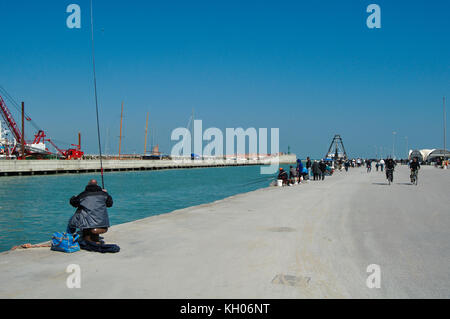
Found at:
[91, 209]
[282, 175]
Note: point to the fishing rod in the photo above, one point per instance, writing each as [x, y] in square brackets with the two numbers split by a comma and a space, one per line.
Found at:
[96, 98]
[262, 178]
[267, 179]
[258, 181]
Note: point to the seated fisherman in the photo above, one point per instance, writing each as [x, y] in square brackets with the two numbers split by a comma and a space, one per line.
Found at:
[305, 174]
[292, 175]
[283, 176]
[91, 216]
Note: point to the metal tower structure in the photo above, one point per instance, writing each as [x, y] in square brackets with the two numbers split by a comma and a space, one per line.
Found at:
[336, 149]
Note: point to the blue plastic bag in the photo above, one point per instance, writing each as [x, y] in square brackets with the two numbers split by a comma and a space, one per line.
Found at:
[65, 242]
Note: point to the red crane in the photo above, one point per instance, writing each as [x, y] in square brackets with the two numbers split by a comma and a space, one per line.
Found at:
[7, 116]
[40, 137]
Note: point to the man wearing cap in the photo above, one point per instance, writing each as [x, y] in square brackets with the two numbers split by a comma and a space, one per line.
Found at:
[283, 176]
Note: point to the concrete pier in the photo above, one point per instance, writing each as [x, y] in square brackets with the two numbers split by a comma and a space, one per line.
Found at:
[314, 240]
[43, 167]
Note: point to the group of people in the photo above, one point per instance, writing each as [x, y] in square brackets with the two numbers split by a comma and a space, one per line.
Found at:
[347, 163]
[389, 164]
[315, 169]
[319, 169]
[441, 162]
[296, 174]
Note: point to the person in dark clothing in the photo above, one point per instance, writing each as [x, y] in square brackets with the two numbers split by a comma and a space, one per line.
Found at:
[390, 166]
[308, 165]
[315, 170]
[283, 176]
[347, 165]
[369, 166]
[414, 166]
[323, 169]
[292, 175]
[91, 217]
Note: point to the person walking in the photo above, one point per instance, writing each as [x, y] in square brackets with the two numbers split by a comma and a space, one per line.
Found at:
[323, 169]
[347, 165]
[315, 170]
[382, 165]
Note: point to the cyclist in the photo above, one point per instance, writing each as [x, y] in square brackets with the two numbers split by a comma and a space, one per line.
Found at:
[414, 166]
[390, 165]
[369, 166]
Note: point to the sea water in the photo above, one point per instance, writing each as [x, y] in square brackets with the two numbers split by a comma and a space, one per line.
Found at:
[32, 208]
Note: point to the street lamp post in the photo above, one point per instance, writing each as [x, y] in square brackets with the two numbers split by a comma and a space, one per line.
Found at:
[393, 144]
[407, 151]
[445, 127]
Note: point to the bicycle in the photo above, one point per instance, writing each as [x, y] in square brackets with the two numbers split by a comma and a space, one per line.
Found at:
[390, 175]
[414, 177]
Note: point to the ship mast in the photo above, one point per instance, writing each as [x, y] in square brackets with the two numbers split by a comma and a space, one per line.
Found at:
[146, 130]
[120, 136]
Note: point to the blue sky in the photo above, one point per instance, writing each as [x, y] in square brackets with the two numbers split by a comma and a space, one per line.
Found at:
[311, 68]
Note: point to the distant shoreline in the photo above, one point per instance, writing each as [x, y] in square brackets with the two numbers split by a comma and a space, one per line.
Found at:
[52, 167]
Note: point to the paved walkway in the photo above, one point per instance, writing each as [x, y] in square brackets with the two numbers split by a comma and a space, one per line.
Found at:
[309, 241]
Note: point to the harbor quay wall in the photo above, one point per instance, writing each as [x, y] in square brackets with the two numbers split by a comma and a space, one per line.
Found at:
[44, 167]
